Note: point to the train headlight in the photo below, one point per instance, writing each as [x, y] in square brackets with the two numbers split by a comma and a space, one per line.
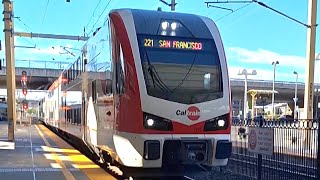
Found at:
[171, 27]
[221, 122]
[218, 123]
[151, 121]
[174, 26]
[164, 25]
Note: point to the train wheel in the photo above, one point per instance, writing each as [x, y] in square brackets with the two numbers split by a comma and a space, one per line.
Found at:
[106, 157]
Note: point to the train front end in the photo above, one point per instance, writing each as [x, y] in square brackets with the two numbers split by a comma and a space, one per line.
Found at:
[173, 97]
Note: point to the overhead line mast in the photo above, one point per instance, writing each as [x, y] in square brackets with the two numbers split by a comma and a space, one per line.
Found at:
[10, 60]
[172, 5]
[50, 36]
[10, 67]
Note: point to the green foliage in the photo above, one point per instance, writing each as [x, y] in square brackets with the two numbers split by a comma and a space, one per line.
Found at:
[32, 111]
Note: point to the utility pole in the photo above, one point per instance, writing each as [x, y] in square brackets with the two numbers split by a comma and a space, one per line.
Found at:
[311, 37]
[274, 64]
[295, 99]
[173, 5]
[10, 67]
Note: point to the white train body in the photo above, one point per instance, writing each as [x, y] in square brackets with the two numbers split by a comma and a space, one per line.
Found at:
[151, 88]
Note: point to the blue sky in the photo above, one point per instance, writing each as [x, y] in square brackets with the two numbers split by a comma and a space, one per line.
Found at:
[253, 37]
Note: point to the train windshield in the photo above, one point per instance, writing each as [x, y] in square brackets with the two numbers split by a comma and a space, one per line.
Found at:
[181, 70]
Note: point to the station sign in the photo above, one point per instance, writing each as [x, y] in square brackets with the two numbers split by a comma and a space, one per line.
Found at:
[260, 141]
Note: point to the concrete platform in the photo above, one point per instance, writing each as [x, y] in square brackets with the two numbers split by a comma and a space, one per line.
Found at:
[38, 153]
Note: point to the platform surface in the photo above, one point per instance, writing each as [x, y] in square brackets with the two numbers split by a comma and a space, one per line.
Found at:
[38, 153]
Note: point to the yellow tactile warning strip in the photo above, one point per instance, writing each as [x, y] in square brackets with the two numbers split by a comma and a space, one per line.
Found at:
[79, 160]
[64, 170]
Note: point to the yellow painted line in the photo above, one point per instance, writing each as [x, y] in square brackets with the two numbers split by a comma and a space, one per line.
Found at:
[80, 161]
[64, 170]
[58, 150]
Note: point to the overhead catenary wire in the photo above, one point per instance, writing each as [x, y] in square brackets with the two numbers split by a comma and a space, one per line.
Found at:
[259, 3]
[94, 11]
[45, 11]
[99, 17]
[232, 12]
[19, 18]
[28, 28]
[281, 13]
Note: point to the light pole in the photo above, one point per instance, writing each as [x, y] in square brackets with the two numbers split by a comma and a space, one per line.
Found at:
[274, 76]
[317, 90]
[295, 99]
[245, 98]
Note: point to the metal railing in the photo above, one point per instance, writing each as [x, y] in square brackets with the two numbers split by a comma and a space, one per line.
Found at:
[296, 150]
[59, 65]
[266, 81]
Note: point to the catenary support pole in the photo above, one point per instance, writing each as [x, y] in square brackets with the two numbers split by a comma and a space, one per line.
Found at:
[309, 82]
[10, 67]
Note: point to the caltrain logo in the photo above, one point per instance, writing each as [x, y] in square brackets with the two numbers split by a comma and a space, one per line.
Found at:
[193, 113]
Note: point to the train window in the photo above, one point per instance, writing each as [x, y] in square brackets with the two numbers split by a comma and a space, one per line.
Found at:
[121, 60]
[206, 81]
[94, 91]
[118, 60]
[120, 77]
[108, 86]
[182, 70]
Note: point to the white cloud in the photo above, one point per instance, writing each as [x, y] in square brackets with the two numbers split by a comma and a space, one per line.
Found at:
[261, 60]
[262, 74]
[262, 56]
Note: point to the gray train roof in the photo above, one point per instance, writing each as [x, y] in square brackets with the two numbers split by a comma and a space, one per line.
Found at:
[149, 22]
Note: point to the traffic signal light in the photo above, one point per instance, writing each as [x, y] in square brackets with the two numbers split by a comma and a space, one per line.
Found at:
[25, 104]
[24, 82]
[24, 76]
[24, 91]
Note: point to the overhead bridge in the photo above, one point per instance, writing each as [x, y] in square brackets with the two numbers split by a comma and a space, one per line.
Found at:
[39, 79]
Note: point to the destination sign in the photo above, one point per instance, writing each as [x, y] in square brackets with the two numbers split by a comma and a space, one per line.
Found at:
[172, 44]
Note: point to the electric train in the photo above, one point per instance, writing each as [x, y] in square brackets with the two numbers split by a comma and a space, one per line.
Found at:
[150, 89]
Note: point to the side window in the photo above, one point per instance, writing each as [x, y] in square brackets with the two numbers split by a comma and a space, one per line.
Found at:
[94, 90]
[118, 60]
[121, 74]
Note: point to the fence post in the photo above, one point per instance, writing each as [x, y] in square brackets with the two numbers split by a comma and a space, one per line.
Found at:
[318, 153]
[260, 155]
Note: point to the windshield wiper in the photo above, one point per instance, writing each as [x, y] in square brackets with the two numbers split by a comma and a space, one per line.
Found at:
[156, 80]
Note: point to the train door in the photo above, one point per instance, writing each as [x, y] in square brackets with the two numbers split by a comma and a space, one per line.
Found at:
[83, 116]
[84, 96]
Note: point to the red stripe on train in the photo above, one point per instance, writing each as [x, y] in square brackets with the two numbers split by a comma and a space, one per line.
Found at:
[128, 105]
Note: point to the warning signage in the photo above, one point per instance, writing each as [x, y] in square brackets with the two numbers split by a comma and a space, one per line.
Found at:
[260, 140]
